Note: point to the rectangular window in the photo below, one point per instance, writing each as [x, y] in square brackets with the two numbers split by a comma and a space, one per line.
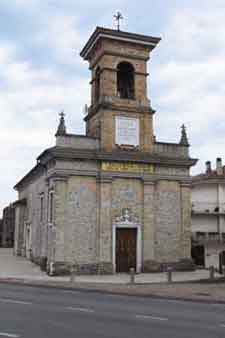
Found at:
[51, 196]
[41, 208]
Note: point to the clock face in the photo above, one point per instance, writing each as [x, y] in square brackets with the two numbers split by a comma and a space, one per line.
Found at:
[127, 131]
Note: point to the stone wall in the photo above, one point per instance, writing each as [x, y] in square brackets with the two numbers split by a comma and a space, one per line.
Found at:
[167, 221]
[86, 207]
[185, 239]
[76, 221]
[108, 130]
[100, 123]
[31, 215]
[149, 227]
[8, 227]
[77, 142]
[105, 224]
[127, 193]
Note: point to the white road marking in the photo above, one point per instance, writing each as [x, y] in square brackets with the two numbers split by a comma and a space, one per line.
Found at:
[70, 291]
[5, 334]
[81, 309]
[14, 301]
[151, 317]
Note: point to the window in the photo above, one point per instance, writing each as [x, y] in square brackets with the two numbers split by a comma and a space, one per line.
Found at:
[97, 84]
[125, 80]
[41, 208]
[51, 205]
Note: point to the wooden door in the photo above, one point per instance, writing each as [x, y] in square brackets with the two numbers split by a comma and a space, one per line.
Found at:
[126, 252]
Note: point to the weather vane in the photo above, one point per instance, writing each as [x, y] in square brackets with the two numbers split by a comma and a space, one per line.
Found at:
[118, 16]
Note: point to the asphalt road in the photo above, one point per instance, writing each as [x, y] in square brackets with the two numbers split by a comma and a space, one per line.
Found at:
[33, 312]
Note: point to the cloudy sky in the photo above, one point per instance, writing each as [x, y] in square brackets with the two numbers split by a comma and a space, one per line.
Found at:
[41, 73]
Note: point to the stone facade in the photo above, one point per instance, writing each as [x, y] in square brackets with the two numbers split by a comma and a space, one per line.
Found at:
[1, 229]
[74, 204]
[7, 227]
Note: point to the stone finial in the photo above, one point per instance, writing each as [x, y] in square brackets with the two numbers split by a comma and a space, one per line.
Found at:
[184, 138]
[61, 131]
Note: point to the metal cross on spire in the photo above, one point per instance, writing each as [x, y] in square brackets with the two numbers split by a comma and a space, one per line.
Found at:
[62, 114]
[61, 131]
[118, 16]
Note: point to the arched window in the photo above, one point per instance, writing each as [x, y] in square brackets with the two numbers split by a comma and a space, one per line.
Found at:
[97, 84]
[125, 80]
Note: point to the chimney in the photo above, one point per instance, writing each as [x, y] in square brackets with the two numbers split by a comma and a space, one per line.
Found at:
[208, 167]
[219, 168]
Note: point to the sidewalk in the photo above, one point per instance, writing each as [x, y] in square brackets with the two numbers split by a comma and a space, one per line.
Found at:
[20, 270]
[19, 267]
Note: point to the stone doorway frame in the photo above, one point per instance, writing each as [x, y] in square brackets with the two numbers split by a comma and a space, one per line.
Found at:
[126, 221]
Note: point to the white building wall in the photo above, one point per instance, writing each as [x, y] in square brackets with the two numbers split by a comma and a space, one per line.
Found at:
[204, 223]
[205, 198]
[211, 257]
[204, 193]
[221, 195]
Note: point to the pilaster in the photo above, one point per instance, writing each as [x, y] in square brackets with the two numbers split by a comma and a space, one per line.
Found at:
[60, 200]
[185, 234]
[148, 225]
[105, 226]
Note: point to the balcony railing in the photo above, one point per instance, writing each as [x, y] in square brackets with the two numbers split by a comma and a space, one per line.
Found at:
[170, 150]
[205, 207]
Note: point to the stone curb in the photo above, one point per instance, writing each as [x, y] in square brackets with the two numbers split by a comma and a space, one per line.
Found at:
[89, 289]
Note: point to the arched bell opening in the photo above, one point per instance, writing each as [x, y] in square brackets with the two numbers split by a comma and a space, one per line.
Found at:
[125, 80]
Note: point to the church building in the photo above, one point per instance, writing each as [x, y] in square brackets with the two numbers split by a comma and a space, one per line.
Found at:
[115, 198]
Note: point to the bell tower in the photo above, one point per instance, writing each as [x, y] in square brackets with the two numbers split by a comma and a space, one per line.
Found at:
[120, 114]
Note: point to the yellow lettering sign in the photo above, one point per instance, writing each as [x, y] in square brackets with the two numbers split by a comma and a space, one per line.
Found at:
[128, 167]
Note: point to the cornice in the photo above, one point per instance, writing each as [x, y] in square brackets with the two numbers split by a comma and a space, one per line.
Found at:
[112, 107]
[105, 33]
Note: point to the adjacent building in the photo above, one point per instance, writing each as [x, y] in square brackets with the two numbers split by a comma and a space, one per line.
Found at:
[1, 231]
[208, 216]
[7, 226]
[114, 198]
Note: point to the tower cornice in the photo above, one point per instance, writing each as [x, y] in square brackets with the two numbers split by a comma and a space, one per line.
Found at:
[101, 32]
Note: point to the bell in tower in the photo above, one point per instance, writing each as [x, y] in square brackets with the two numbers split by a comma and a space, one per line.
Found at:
[120, 114]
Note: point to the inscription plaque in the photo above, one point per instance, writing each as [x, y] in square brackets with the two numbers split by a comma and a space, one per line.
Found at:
[127, 131]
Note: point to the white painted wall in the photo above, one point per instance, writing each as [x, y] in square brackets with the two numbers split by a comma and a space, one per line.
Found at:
[204, 193]
[208, 196]
[211, 258]
[221, 193]
[204, 223]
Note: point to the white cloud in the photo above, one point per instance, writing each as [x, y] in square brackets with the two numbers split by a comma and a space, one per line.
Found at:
[30, 99]
[190, 81]
[61, 34]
